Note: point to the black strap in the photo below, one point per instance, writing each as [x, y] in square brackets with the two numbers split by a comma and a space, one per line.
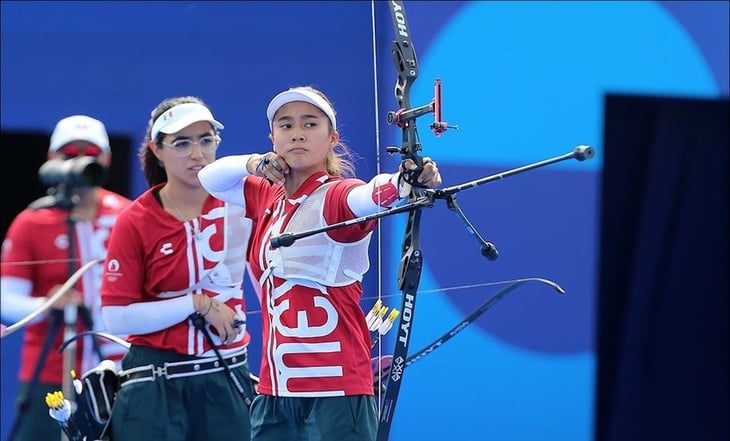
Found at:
[56, 317]
[199, 322]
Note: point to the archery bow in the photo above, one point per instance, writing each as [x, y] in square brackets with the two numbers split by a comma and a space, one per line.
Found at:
[406, 65]
[51, 300]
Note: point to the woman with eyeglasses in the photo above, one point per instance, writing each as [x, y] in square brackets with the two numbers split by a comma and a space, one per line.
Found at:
[173, 282]
[316, 379]
[45, 243]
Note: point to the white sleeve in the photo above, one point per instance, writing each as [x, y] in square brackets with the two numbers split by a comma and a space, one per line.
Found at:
[145, 317]
[16, 301]
[223, 178]
[383, 191]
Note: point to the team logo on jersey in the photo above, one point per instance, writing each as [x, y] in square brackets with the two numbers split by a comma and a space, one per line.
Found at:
[166, 248]
[112, 270]
[112, 266]
[61, 242]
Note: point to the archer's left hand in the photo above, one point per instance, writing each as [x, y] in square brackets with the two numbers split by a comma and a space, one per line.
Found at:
[429, 177]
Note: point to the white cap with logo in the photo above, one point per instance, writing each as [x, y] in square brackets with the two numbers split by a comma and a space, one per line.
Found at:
[178, 117]
[79, 128]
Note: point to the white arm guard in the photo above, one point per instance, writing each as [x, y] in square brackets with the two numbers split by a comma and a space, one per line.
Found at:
[382, 191]
[145, 317]
[16, 302]
[223, 178]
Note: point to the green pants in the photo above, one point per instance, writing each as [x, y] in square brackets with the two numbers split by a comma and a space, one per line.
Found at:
[349, 418]
[34, 423]
[204, 407]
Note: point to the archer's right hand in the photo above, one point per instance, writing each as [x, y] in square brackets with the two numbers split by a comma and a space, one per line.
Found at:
[271, 167]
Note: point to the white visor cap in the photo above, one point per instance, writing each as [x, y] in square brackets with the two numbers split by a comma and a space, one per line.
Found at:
[178, 117]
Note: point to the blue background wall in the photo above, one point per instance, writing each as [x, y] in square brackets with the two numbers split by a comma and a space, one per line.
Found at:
[525, 81]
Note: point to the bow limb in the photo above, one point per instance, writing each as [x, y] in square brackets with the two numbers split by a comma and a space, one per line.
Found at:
[469, 319]
[48, 304]
[113, 338]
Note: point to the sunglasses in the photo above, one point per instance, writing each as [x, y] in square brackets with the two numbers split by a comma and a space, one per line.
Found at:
[74, 150]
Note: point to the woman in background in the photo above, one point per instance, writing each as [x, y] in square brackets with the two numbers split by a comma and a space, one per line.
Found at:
[177, 258]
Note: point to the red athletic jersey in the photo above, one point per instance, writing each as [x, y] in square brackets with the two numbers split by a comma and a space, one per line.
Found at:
[314, 343]
[151, 252]
[36, 249]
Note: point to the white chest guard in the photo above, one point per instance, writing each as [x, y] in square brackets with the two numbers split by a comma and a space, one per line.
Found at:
[318, 258]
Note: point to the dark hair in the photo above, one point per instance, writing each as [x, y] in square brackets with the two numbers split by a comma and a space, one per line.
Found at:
[153, 170]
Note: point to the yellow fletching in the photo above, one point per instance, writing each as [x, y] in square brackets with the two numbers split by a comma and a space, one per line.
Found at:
[54, 399]
[393, 314]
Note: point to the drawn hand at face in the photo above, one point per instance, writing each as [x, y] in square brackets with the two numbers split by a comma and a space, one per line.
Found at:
[270, 166]
[429, 177]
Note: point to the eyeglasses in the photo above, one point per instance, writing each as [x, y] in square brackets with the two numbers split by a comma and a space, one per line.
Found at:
[74, 150]
[184, 147]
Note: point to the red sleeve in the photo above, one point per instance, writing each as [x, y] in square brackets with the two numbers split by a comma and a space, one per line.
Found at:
[122, 282]
[18, 247]
[258, 194]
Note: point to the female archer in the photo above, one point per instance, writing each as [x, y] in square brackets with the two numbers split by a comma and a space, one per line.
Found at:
[316, 378]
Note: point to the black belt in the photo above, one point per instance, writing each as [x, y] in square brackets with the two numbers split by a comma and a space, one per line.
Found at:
[178, 369]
